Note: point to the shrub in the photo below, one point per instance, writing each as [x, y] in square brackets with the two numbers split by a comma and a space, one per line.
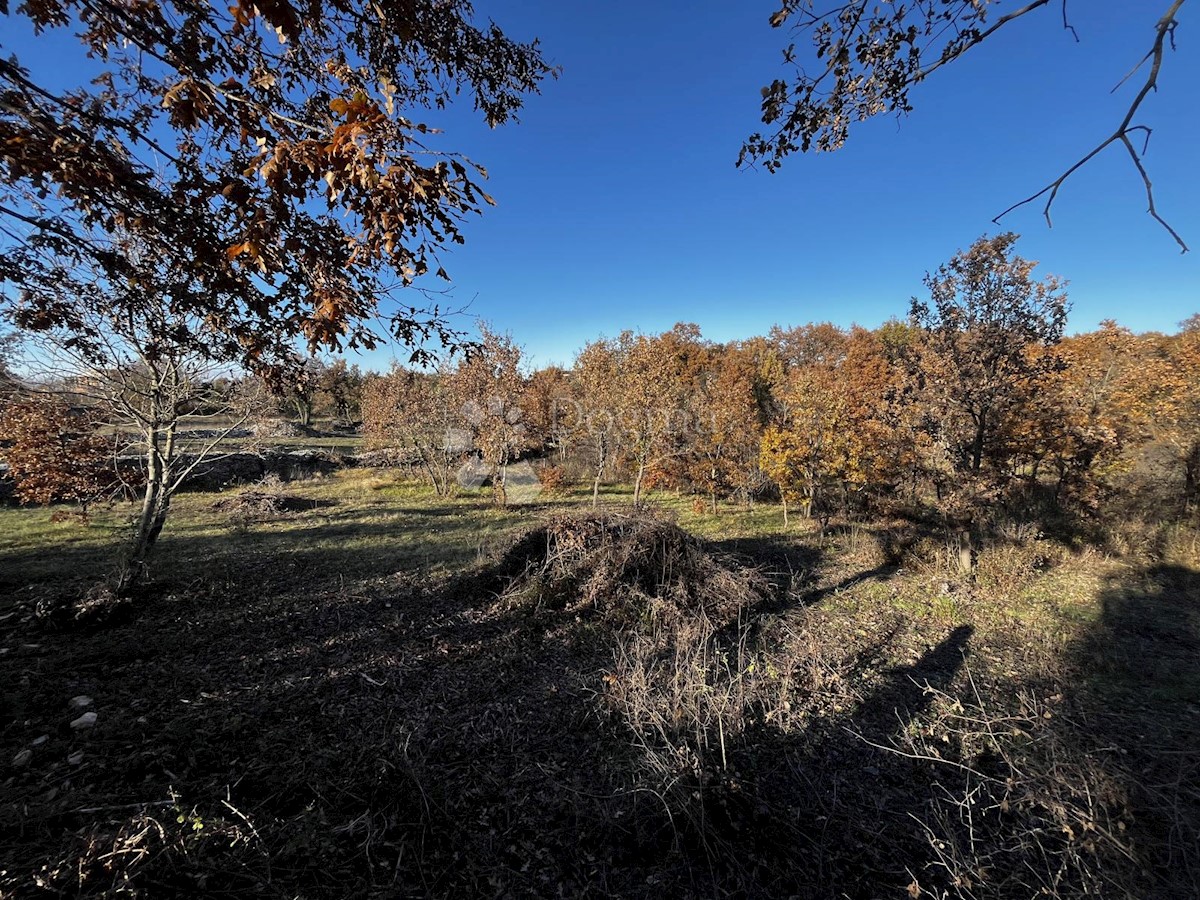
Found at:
[56, 454]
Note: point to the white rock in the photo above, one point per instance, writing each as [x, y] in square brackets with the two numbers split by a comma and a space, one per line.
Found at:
[22, 759]
[83, 701]
[38, 741]
[87, 720]
[75, 758]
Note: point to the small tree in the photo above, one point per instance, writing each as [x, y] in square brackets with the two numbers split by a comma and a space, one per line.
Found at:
[655, 377]
[411, 411]
[488, 389]
[593, 425]
[722, 450]
[303, 385]
[138, 353]
[341, 386]
[981, 331]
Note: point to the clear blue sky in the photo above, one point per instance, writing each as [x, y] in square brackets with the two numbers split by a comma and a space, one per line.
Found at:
[620, 206]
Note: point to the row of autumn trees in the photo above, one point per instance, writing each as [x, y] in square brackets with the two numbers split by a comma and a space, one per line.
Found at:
[972, 401]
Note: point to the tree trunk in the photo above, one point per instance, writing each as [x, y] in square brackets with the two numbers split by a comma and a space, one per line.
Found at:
[966, 552]
[156, 502]
[596, 480]
[977, 444]
[304, 410]
[637, 484]
[498, 490]
[783, 497]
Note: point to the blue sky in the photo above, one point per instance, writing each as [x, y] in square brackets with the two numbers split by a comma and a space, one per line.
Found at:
[620, 206]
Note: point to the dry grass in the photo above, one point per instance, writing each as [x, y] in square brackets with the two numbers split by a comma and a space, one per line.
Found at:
[390, 694]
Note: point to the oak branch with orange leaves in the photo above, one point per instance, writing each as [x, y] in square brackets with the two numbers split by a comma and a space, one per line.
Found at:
[232, 182]
[272, 152]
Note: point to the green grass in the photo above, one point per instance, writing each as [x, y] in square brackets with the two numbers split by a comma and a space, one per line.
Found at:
[371, 523]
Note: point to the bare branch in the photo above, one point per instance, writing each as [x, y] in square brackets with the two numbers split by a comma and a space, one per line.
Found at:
[1163, 30]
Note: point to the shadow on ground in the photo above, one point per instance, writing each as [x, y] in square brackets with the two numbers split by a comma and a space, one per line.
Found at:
[270, 730]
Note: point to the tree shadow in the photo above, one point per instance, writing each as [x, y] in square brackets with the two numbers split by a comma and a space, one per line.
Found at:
[1138, 713]
[399, 734]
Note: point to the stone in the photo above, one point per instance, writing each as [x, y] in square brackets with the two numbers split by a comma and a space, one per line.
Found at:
[75, 758]
[83, 701]
[22, 759]
[87, 720]
[38, 741]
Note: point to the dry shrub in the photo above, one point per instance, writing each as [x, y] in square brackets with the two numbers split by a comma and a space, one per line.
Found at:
[1161, 541]
[1020, 807]
[1007, 568]
[157, 845]
[259, 504]
[552, 478]
[628, 569]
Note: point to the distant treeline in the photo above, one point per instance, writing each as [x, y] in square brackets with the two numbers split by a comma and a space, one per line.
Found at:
[974, 402]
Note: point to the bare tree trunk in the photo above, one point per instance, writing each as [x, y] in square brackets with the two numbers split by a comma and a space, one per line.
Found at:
[304, 409]
[599, 474]
[637, 484]
[783, 497]
[498, 489]
[156, 502]
[966, 552]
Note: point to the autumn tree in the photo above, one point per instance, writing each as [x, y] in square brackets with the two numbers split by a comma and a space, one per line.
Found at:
[56, 453]
[656, 375]
[302, 386]
[277, 151]
[813, 442]
[721, 449]
[591, 420]
[868, 57]
[547, 408]
[822, 344]
[1169, 381]
[414, 412]
[984, 315]
[340, 387]
[488, 390]
[271, 161]
[981, 330]
[1075, 423]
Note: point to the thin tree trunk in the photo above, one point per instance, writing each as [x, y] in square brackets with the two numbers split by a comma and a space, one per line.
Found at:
[637, 484]
[596, 480]
[966, 552]
[977, 444]
[156, 502]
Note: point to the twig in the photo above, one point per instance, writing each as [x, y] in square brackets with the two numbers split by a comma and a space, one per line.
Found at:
[119, 806]
[1164, 29]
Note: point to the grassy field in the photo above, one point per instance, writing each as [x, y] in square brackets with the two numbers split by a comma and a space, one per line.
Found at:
[372, 691]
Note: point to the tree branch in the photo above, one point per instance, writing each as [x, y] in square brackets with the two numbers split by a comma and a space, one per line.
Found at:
[1164, 29]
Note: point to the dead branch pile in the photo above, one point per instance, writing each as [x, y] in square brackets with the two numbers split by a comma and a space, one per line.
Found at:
[627, 569]
[256, 504]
